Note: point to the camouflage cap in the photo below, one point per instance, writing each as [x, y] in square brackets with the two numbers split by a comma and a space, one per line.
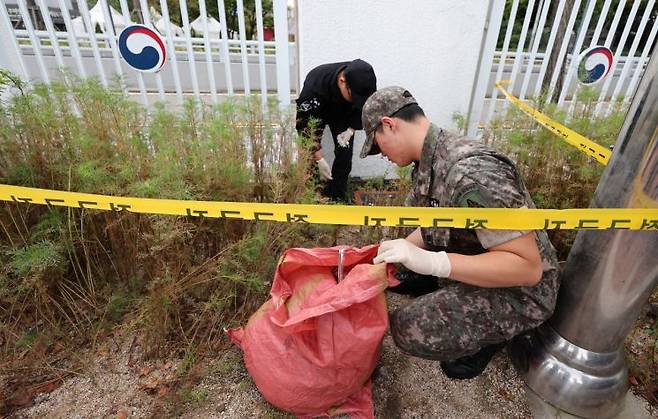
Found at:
[384, 102]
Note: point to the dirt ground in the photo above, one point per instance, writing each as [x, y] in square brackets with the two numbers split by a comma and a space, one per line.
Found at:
[119, 384]
[403, 387]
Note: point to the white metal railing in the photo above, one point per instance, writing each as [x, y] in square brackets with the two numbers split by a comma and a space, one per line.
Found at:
[199, 64]
[540, 59]
[58, 44]
[624, 26]
[61, 40]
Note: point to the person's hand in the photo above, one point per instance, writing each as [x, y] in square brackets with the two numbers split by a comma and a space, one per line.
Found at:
[414, 258]
[324, 169]
[344, 137]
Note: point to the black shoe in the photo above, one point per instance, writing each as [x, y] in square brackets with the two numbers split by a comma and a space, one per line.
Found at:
[470, 366]
[415, 284]
[520, 348]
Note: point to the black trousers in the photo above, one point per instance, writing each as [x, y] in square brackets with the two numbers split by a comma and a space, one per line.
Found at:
[337, 187]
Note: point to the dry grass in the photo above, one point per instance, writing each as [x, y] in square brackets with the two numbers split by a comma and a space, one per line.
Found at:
[68, 277]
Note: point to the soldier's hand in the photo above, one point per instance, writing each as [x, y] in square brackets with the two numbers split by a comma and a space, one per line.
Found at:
[324, 169]
[414, 258]
[344, 137]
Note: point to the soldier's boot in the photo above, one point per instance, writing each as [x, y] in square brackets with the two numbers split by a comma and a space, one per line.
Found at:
[414, 284]
[470, 366]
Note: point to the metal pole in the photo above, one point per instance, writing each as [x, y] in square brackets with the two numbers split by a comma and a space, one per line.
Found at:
[485, 61]
[575, 361]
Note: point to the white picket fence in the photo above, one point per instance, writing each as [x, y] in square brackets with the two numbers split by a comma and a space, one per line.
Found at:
[207, 67]
[628, 29]
[202, 67]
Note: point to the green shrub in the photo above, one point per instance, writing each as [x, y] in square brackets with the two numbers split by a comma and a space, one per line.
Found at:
[556, 173]
[79, 271]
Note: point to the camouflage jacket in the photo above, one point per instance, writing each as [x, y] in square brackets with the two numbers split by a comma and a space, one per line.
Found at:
[459, 172]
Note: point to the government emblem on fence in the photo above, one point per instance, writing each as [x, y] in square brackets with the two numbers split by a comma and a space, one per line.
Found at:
[594, 64]
[142, 48]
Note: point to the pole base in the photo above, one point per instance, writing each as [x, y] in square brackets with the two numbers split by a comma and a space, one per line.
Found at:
[572, 379]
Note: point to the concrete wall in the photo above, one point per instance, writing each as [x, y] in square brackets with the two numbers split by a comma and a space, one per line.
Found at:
[431, 47]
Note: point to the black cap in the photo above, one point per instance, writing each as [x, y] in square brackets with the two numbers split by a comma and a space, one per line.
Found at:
[361, 80]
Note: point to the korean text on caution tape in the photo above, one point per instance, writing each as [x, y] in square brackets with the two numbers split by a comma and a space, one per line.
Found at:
[487, 218]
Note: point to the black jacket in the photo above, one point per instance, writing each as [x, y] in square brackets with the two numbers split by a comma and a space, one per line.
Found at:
[321, 99]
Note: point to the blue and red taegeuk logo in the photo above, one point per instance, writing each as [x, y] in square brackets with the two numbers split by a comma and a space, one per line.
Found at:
[142, 48]
[595, 63]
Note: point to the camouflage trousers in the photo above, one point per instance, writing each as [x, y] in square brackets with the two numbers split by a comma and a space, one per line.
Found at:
[459, 319]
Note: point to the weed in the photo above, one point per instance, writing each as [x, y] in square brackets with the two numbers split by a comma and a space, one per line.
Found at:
[27, 339]
[274, 413]
[189, 360]
[460, 120]
[35, 259]
[244, 385]
[179, 280]
[195, 395]
[227, 366]
[118, 305]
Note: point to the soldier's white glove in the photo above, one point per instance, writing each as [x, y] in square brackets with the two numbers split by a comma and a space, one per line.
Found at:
[414, 258]
[344, 137]
[324, 169]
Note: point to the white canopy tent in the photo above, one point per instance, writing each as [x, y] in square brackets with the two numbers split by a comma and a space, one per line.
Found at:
[161, 26]
[98, 19]
[214, 27]
[78, 26]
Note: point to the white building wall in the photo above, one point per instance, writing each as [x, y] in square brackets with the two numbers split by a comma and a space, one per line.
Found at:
[430, 47]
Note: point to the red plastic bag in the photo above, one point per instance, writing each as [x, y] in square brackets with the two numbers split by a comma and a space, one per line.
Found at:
[312, 347]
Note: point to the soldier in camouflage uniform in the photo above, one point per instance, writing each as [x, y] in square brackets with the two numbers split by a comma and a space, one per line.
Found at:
[496, 284]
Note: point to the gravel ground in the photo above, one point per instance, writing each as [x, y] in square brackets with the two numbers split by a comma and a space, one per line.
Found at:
[403, 387]
[117, 385]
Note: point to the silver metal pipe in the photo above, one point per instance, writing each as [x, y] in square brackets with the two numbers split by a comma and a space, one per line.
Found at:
[609, 274]
[575, 362]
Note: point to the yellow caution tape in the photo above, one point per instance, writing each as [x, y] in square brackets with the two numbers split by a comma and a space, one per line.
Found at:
[489, 218]
[587, 146]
